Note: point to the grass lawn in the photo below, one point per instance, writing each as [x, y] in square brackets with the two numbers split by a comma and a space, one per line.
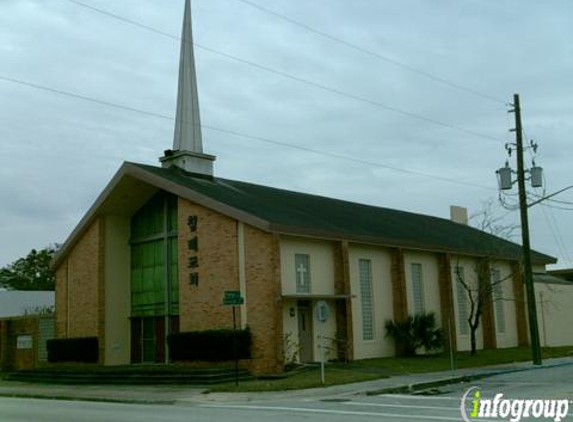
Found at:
[336, 373]
[369, 369]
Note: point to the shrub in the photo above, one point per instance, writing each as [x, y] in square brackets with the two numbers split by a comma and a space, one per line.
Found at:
[84, 349]
[416, 332]
[209, 345]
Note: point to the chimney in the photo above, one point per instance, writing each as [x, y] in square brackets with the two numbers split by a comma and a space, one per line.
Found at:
[459, 214]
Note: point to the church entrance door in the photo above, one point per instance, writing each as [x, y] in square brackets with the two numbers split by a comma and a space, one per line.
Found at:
[305, 331]
[148, 339]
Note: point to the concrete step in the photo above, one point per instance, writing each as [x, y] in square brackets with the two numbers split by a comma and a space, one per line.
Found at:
[128, 376]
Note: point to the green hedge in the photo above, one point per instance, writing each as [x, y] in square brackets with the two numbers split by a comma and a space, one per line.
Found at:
[84, 349]
[209, 345]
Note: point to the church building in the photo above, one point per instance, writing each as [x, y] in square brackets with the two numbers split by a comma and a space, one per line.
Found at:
[161, 245]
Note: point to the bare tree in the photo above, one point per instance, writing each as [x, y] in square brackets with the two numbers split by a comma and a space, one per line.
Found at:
[480, 295]
[485, 220]
[485, 291]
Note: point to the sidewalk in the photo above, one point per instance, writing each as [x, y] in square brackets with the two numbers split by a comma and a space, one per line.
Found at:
[393, 385]
[184, 394]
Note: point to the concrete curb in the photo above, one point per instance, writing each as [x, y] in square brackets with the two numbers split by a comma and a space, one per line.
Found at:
[87, 399]
[426, 385]
[421, 386]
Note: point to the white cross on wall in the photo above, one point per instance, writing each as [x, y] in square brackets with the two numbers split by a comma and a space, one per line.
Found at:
[301, 270]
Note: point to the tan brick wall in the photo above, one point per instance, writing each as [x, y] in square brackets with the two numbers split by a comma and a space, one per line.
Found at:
[343, 307]
[399, 285]
[11, 358]
[85, 274]
[4, 350]
[520, 305]
[447, 301]
[61, 297]
[487, 319]
[264, 304]
[101, 290]
[201, 307]
[27, 358]
[399, 296]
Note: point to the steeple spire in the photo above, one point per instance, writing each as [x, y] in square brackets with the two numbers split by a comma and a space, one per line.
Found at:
[187, 150]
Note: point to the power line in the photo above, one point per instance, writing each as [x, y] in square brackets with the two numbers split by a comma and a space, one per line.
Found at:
[294, 77]
[556, 201]
[374, 54]
[556, 207]
[345, 157]
[121, 18]
[82, 97]
[547, 210]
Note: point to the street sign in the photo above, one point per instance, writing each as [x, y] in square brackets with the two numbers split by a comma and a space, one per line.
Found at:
[322, 311]
[233, 297]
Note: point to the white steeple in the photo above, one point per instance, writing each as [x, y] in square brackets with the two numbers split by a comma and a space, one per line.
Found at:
[187, 150]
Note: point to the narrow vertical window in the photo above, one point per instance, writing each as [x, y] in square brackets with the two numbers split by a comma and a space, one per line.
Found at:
[418, 289]
[497, 297]
[365, 273]
[462, 295]
[302, 271]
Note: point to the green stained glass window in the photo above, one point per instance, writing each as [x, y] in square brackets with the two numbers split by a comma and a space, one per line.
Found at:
[154, 258]
[174, 278]
[172, 213]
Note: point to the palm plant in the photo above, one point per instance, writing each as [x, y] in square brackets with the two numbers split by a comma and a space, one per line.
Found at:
[416, 332]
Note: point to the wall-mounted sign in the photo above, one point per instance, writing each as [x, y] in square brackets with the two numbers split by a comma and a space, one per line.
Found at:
[24, 341]
[193, 246]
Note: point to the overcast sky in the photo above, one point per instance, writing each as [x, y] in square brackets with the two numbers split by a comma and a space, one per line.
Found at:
[57, 153]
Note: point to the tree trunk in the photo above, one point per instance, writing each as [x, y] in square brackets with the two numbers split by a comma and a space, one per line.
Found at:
[473, 341]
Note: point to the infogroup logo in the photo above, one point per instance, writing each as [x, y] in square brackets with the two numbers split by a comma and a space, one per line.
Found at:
[510, 409]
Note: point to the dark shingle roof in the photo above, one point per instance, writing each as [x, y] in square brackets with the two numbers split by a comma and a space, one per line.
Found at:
[312, 215]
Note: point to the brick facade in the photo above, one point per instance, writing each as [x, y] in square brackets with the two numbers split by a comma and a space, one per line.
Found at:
[12, 358]
[399, 295]
[5, 352]
[447, 301]
[61, 299]
[343, 307]
[520, 305]
[264, 304]
[201, 306]
[79, 287]
[487, 318]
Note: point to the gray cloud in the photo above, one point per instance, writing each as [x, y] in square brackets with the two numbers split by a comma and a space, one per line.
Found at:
[58, 153]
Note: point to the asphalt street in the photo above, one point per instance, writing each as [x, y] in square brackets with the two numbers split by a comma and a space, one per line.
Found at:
[436, 405]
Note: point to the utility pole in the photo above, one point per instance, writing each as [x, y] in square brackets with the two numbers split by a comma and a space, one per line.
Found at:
[528, 273]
